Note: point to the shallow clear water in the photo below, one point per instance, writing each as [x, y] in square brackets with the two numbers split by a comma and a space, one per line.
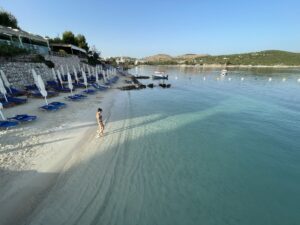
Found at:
[213, 151]
[205, 151]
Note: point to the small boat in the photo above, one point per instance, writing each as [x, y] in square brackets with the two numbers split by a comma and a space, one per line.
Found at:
[224, 72]
[160, 76]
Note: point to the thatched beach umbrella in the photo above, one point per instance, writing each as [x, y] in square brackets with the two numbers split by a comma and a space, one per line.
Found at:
[89, 71]
[62, 70]
[75, 74]
[1, 114]
[3, 90]
[70, 85]
[96, 74]
[59, 78]
[42, 88]
[34, 75]
[84, 78]
[4, 78]
[54, 74]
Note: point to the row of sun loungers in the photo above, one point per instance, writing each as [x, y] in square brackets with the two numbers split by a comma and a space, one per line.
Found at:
[53, 89]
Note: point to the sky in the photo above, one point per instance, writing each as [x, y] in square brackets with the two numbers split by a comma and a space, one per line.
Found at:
[140, 28]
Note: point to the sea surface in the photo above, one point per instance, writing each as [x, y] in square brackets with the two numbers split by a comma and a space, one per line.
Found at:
[216, 150]
[209, 150]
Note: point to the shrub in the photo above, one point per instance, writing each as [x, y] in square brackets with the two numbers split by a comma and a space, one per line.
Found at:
[10, 51]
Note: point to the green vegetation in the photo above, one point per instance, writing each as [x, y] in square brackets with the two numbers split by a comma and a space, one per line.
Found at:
[8, 20]
[68, 37]
[162, 62]
[266, 58]
[10, 51]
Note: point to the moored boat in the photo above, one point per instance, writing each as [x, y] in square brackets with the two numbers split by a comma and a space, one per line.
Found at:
[224, 72]
[159, 76]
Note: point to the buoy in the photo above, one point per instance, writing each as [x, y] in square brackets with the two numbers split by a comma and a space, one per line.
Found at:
[283, 79]
[298, 80]
[242, 78]
[229, 78]
[270, 79]
[204, 78]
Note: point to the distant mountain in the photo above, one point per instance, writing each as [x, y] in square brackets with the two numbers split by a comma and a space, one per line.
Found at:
[158, 58]
[267, 58]
[190, 56]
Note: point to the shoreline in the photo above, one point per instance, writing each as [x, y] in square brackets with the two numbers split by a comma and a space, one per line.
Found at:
[230, 66]
[35, 155]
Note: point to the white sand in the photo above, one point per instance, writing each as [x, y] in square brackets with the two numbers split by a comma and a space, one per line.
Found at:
[34, 155]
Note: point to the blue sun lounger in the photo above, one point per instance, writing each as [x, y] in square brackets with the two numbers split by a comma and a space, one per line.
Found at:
[78, 85]
[17, 101]
[58, 104]
[99, 87]
[15, 92]
[23, 118]
[32, 87]
[7, 124]
[37, 94]
[89, 91]
[61, 89]
[73, 98]
[50, 108]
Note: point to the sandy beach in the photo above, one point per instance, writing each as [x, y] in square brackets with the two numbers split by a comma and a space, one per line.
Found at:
[34, 155]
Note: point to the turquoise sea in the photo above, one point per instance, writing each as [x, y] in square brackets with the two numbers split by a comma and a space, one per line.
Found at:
[214, 151]
[206, 151]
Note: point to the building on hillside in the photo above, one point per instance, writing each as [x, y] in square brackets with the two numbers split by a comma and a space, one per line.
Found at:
[23, 39]
[68, 49]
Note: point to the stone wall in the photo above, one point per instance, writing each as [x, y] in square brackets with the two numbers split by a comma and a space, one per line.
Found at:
[19, 72]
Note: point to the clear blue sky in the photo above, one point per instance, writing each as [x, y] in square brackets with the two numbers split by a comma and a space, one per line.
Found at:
[140, 28]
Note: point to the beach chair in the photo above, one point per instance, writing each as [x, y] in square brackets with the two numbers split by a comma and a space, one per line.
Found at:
[49, 108]
[31, 87]
[89, 91]
[17, 101]
[23, 118]
[61, 89]
[99, 87]
[37, 94]
[58, 104]
[73, 98]
[5, 124]
[80, 95]
[52, 83]
[14, 92]
[78, 85]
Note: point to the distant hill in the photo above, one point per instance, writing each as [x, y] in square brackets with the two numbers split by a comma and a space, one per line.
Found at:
[158, 57]
[266, 58]
[190, 56]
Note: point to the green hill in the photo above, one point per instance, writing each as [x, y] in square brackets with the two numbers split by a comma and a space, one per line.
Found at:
[265, 58]
[268, 58]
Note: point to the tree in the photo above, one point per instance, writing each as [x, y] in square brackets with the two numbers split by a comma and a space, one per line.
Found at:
[81, 41]
[69, 38]
[8, 20]
[56, 40]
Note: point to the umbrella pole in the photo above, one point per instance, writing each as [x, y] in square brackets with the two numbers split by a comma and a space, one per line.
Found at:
[5, 98]
[10, 90]
[2, 115]
[46, 101]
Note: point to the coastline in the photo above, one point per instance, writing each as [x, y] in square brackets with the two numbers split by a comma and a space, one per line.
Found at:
[230, 66]
[35, 155]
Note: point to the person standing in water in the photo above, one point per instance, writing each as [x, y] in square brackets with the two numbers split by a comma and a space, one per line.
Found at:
[100, 122]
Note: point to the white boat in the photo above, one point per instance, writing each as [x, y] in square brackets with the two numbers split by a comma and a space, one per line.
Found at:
[224, 72]
[159, 75]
